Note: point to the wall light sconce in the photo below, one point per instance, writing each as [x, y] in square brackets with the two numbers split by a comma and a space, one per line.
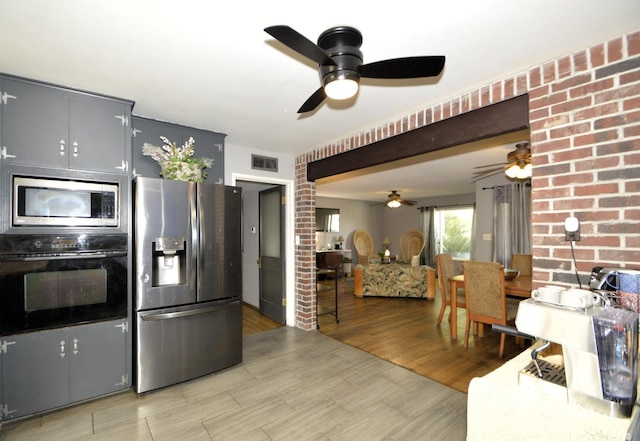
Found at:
[572, 229]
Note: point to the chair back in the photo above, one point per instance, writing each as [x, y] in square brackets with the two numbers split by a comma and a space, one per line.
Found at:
[484, 288]
[446, 270]
[523, 263]
[364, 246]
[411, 244]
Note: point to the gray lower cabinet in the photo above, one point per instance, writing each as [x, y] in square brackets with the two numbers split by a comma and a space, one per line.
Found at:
[50, 126]
[48, 369]
[207, 144]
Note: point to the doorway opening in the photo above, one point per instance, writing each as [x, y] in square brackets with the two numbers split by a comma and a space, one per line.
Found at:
[251, 187]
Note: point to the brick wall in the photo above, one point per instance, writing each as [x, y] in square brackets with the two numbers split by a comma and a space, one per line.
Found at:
[585, 144]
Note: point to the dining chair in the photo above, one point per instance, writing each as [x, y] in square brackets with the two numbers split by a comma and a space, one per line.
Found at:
[486, 299]
[523, 263]
[446, 270]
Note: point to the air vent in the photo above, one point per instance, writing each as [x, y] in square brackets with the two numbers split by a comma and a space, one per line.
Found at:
[264, 163]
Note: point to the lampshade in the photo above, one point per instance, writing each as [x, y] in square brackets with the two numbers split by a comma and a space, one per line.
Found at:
[386, 242]
[341, 84]
[393, 203]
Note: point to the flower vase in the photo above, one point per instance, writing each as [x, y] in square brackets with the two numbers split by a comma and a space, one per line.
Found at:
[181, 171]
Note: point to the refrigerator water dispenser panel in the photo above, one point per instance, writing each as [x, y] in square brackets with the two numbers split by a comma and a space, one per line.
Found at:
[169, 261]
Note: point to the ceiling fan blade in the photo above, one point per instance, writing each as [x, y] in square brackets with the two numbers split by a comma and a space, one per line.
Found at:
[407, 202]
[299, 43]
[477, 178]
[491, 170]
[491, 165]
[313, 101]
[409, 67]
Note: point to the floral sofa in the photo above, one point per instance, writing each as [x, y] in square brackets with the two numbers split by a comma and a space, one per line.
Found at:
[394, 280]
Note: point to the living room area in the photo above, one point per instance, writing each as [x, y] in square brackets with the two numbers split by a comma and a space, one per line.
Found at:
[404, 331]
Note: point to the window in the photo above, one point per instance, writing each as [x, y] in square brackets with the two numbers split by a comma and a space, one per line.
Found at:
[452, 228]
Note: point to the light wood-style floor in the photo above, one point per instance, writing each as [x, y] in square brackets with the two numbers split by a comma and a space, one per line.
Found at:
[404, 331]
[292, 385]
[298, 385]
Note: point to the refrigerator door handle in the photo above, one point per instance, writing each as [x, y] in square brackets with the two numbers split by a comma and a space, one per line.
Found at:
[188, 313]
[202, 237]
[195, 249]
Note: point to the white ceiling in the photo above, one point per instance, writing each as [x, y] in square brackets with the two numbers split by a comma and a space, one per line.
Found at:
[210, 64]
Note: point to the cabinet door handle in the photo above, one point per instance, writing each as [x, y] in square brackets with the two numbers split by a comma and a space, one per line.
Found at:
[62, 353]
[75, 149]
[62, 147]
[75, 346]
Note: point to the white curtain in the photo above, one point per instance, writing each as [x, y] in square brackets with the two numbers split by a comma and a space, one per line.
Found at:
[511, 221]
[429, 250]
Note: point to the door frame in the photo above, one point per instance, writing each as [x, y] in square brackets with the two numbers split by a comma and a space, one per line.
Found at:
[289, 236]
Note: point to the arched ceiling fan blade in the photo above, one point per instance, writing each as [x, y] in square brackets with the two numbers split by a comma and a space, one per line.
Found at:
[313, 101]
[299, 43]
[409, 67]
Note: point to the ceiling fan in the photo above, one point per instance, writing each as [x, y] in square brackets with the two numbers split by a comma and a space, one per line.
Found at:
[517, 167]
[340, 62]
[394, 200]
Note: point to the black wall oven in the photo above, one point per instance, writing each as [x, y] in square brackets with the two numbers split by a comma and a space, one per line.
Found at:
[50, 281]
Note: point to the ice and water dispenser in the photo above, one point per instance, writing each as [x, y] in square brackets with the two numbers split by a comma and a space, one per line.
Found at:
[169, 261]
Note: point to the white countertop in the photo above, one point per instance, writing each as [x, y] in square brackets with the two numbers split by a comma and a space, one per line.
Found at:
[500, 409]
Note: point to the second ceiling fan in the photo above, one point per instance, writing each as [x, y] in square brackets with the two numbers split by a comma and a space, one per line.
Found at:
[340, 62]
[517, 167]
[394, 200]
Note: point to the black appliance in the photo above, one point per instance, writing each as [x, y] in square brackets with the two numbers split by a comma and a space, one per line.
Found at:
[51, 281]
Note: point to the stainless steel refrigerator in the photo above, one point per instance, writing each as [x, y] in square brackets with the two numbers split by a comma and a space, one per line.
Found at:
[188, 280]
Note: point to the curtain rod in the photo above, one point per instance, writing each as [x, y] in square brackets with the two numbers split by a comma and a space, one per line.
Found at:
[445, 206]
[526, 184]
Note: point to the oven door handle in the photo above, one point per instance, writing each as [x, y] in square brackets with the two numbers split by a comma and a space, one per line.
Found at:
[188, 313]
[62, 257]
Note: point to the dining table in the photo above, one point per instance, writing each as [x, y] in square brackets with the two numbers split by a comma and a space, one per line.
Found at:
[519, 287]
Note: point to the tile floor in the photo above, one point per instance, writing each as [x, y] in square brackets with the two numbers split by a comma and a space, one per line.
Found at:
[292, 385]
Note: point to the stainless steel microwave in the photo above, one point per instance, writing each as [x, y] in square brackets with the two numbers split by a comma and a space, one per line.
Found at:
[39, 201]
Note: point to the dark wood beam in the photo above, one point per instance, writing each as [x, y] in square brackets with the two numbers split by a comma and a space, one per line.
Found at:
[497, 119]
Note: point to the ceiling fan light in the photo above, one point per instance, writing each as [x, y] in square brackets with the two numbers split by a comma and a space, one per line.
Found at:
[393, 203]
[512, 172]
[528, 170]
[522, 173]
[341, 85]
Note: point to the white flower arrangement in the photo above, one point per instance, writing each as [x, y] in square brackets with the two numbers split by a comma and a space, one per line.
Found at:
[178, 162]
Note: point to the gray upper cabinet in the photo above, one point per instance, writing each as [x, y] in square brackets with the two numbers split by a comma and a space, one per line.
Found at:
[207, 144]
[49, 126]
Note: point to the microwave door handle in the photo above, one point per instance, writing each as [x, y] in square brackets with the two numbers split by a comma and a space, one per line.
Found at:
[188, 313]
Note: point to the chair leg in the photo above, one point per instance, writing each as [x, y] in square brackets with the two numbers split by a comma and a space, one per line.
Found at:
[502, 340]
[442, 308]
[466, 333]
